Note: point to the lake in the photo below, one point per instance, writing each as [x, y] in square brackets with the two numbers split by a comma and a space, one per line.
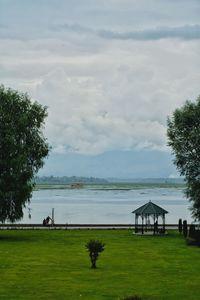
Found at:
[98, 205]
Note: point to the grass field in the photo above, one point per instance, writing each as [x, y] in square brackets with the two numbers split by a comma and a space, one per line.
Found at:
[113, 186]
[50, 264]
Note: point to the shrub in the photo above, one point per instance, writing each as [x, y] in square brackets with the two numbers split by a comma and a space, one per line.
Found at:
[192, 231]
[193, 238]
[134, 297]
[180, 226]
[185, 229]
[94, 247]
[197, 237]
[191, 241]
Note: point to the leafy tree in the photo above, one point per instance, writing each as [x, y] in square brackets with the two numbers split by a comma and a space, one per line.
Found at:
[22, 150]
[94, 247]
[184, 138]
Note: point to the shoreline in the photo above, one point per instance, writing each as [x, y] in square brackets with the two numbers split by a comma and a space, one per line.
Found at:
[77, 226]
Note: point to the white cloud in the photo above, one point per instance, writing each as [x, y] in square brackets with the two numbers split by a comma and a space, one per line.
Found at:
[103, 94]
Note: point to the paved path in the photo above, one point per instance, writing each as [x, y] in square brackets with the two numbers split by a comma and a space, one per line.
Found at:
[76, 226]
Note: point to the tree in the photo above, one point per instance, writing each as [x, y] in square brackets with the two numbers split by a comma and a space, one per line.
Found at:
[22, 150]
[94, 247]
[184, 138]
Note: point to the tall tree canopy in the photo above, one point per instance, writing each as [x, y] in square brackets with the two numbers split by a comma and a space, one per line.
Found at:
[184, 138]
[22, 150]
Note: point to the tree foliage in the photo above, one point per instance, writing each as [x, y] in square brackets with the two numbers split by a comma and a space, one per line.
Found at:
[94, 247]
[22, 150]
[184, 138]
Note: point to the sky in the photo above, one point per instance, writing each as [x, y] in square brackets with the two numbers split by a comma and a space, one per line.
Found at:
[110, 73]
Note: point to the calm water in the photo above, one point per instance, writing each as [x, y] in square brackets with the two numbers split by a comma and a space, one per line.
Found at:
[104, 206]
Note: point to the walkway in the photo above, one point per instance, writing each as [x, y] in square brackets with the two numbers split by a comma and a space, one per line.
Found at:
[77, 226]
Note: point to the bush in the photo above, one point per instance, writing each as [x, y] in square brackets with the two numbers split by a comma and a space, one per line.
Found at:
[94, 247]
[194, 239]
[192, 231]
[197, 237]
[185, 229]
[191, 241]
[134, 297]
[180, 226]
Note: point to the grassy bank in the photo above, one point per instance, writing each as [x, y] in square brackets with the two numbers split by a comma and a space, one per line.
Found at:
[55, 265]
[112, 186]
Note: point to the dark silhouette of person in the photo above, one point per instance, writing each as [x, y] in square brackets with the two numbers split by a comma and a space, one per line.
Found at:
[47, 220]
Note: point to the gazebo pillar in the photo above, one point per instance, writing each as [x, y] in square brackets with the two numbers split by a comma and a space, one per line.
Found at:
[136, 223]
[146, 223]
[154, 220]
[142, 224]
[163, 223]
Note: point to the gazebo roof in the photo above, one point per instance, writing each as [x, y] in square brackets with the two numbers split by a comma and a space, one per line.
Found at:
[150, 209]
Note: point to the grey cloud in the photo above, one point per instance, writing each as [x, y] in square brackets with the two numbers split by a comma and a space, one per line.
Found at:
[74, 28]
[118, 19]
[186, 32]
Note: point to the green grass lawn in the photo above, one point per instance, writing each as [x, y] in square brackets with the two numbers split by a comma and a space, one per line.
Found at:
[50, 264]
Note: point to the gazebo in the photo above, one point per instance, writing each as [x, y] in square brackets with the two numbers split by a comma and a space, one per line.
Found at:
[149, 212]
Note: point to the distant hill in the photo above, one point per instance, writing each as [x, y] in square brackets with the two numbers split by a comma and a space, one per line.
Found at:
[94, 180]
[148, 180]
[68, 180]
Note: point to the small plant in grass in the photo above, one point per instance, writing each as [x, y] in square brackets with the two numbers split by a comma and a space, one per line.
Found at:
[180, 226]
[185, 229]
[94, 247]
[134, 297]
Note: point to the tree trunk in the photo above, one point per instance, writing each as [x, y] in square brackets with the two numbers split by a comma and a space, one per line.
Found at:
[93, 263]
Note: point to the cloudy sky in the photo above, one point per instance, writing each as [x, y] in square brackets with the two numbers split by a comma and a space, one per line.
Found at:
[110, 72]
